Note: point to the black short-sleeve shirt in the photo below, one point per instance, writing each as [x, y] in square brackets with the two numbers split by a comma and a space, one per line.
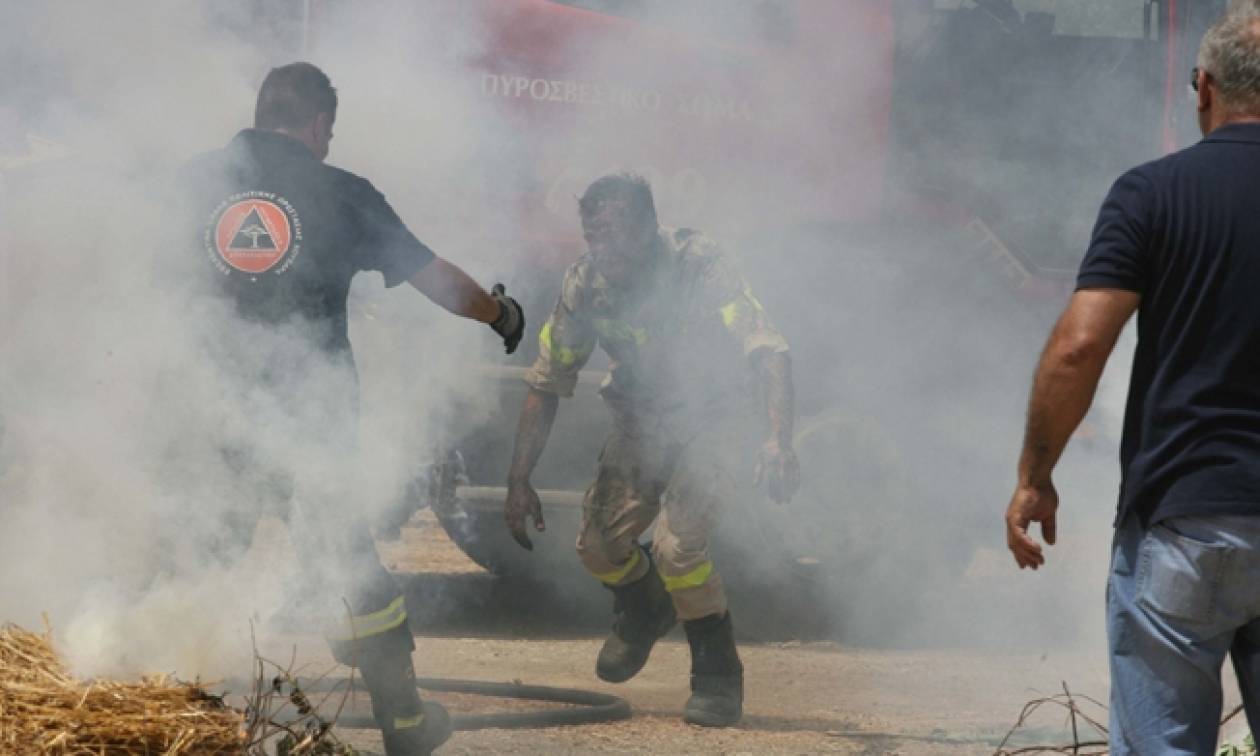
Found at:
[1184, 232]
[282, 234]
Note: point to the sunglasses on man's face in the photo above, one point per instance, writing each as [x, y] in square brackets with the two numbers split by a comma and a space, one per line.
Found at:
[1194, 78]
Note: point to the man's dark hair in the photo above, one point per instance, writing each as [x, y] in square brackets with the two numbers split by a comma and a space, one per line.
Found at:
[629, 188]
[291, 96]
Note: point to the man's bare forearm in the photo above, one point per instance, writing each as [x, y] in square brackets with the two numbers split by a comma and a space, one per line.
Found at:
[532, 431]
[1063, 389]
[774, 372]
[451, 288]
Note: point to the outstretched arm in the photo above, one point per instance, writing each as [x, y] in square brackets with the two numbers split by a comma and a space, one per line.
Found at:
[451, 288]
[1063, 388]
[534, 428]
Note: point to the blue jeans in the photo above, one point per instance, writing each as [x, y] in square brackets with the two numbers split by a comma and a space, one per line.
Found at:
[1181, 596]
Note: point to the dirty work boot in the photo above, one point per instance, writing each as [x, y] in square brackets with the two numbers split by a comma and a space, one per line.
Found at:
[643, 611]
[717, 676]
[421, 734]
[409, 726]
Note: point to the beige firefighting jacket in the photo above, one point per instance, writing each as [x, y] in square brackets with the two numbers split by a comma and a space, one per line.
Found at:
[678, 344]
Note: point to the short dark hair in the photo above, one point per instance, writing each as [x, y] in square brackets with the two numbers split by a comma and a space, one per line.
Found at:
[630, 188]
[291, 96]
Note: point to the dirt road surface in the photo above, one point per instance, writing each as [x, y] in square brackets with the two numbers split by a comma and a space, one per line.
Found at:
[802, 696]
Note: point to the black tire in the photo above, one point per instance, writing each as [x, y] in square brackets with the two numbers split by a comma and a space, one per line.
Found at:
[473, 518]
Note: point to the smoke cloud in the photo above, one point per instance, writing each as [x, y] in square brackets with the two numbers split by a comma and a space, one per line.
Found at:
[912, 339]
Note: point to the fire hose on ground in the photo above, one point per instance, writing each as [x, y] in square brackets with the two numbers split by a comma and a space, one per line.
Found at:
[588, 707]
[582, 706]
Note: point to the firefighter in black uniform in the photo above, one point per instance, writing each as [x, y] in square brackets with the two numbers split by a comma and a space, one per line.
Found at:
[280, 236]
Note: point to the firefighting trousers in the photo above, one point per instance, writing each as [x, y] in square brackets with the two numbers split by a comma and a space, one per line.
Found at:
[340, 588]
[360, 608]
[356, 602]
[286, 439]
[347, 594]
[644, 476]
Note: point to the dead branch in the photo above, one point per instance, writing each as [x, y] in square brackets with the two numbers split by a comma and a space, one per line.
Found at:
[1068, 700]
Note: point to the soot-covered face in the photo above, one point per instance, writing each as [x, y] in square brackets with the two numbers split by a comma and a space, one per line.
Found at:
[621, 245]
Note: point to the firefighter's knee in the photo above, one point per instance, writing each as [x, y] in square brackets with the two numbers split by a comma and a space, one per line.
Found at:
[612, 561]
[683, 561]
[672, 547]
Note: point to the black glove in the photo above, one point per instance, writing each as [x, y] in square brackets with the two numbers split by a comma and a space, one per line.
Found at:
[511, 322]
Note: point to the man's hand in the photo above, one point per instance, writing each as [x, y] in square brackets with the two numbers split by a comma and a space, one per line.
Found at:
[778, 470]
[522, 502]
[1063, 387]
[1031, 504]
[511, 322]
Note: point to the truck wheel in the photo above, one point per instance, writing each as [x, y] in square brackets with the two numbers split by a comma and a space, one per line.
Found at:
[812, 567]
[473, 518]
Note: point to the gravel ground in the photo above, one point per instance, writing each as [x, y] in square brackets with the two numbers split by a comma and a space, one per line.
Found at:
[802, 697]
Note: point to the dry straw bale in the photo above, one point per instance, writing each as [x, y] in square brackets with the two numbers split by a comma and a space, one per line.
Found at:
[44, 710]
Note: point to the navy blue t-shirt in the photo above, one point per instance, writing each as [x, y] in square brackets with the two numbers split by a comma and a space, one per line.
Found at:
[1184, 232]
[282, 233]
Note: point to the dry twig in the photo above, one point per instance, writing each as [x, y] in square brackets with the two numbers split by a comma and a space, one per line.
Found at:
[1078, 747]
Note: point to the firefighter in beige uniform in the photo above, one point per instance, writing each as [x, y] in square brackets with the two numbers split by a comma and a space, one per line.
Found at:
[689, 345]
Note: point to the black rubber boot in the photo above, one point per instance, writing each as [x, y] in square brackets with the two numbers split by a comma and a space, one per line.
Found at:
[643, 613]
[419, 739]
[717, 676]
[409, 726]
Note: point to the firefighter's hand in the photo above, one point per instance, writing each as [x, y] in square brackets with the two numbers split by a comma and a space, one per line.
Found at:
[778, 470]
[523, 502]
[511, 322]
[1031, 504]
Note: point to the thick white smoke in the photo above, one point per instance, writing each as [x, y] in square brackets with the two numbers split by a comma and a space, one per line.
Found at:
[119, 421]
[114, 415]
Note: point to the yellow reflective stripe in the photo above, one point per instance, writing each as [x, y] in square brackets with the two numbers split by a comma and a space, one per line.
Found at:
[732, 310]
[406, 723]
[619, 574]
[367, 625]
[564, 355]
[693, 579]
[616, 330]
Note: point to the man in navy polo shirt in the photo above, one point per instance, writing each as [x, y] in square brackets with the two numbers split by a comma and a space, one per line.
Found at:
[1178, 241]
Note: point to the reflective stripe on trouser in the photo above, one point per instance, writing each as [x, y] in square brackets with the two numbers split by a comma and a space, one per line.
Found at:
[364, 626]
[362, 610]
[379, 643]
[629, 572]
[407, 723]
[343, 588]
[699, 486]
[640, 477]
